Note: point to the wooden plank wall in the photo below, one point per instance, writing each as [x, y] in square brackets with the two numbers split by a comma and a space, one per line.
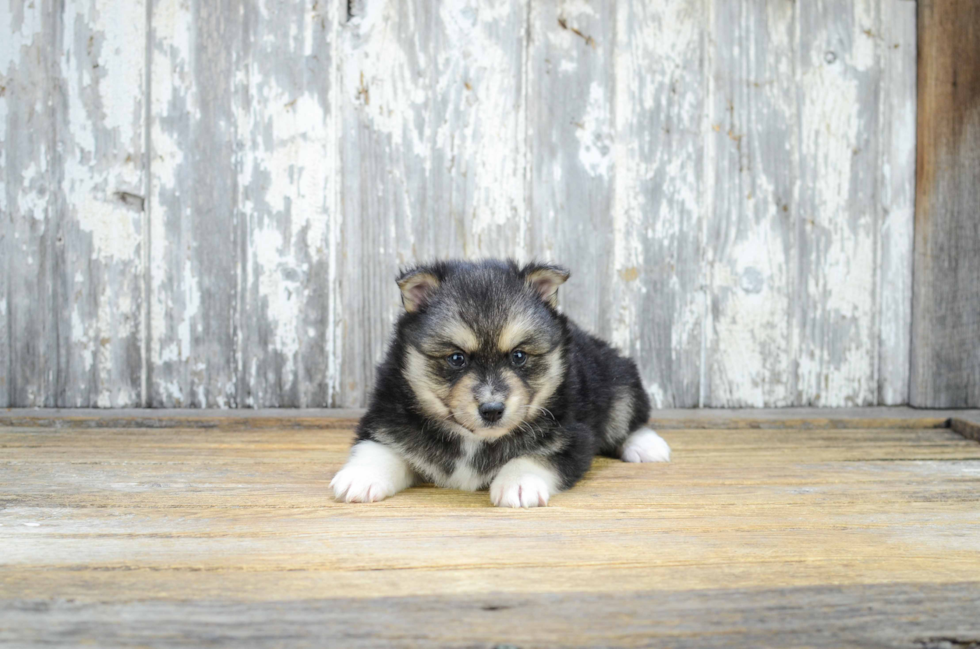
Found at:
[946, 313]
[731, 182]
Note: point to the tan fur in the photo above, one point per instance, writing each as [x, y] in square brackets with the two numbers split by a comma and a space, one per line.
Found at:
[464, 402]
[430, 392]
[617, 425]
[545, 386]
[513, 333]
[462, 336]
[458, 406]
[546, 281]
[414, 289]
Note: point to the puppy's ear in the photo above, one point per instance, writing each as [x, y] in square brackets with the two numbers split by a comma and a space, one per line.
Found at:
[417, 286]
[545, 279]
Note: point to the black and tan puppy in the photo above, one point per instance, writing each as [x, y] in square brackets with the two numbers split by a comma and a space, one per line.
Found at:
[486, 384]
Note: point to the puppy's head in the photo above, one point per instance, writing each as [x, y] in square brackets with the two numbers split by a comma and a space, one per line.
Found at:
[484, 344]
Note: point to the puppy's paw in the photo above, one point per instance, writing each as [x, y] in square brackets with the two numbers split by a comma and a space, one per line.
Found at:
[523, 482]
[644, 445]
[372, 473]
[361, 484]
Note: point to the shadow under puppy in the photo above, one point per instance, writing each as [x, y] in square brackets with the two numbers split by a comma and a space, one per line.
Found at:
[486, 384]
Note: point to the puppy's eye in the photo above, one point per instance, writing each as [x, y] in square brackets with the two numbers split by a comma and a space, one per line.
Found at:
[518, 358]
[456, 359]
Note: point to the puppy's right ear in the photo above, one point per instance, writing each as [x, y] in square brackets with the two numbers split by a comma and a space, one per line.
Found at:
[417, 286]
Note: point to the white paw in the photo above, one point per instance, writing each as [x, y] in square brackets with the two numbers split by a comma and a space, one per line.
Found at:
[644, 445]
[372, 473]
[359, 484]
[523, 482]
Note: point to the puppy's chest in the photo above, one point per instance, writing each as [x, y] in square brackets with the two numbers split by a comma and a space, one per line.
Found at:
[463, 474]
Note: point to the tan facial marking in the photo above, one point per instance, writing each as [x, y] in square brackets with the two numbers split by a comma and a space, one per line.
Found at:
[464, 404]
[427, 388]
[513, 333]
[461, 335]
[546, 384]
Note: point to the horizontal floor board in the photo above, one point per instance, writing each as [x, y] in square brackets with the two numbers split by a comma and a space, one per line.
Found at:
[101, 523]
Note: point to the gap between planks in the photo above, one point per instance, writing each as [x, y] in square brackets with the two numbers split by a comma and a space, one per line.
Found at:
[964, 422]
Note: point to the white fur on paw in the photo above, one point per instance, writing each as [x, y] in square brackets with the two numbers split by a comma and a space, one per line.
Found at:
[644, 445]
[372, 473]
[523, 482]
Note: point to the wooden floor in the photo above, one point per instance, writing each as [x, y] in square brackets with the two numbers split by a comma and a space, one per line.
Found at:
[220, 531]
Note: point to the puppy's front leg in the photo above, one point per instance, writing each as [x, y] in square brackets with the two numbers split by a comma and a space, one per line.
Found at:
[372, 473]
[524, 482]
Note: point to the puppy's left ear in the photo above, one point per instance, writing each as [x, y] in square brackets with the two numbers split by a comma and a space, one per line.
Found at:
[545, 279]
[417, 286]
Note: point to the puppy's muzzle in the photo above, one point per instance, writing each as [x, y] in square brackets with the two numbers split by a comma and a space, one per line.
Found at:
[491, 412]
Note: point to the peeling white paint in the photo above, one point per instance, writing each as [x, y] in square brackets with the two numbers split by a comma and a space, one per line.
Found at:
[594, 134]
[704, 276]
[836, 360]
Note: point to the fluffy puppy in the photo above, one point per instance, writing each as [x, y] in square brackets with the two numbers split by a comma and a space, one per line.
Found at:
[485, 384]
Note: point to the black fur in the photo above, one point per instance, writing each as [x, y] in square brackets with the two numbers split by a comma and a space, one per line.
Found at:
[572, 427]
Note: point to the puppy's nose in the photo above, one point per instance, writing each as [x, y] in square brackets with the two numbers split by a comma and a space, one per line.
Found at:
[492, 411]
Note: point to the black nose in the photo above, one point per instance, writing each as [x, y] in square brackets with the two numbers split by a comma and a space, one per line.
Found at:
[491, 412]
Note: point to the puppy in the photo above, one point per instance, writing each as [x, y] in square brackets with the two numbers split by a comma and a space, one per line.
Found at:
[486, 384]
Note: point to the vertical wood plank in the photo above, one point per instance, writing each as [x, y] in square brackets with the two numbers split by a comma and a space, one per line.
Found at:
[570, 150]
[658, 304]
[73, 137]
[26, 148]
[896, 201]
[196, 237]
[946, 289]
[289, 179]
[433, 154]
[837, 225]
[102, 56]
[750, 246]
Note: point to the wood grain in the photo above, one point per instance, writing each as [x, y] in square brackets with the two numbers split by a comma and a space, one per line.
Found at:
[776, 418]
[837, 225]
[729, 182]
[289, 115]
[177, 536]
[197, 223]
[571, 157]
[946, 292]
[71, 201]
[751, 242]
[433, 157]
[896, 46]
[886, 615]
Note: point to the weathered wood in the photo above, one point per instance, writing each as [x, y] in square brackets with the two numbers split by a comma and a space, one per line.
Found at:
[967, 425]
[433, 157]
[729, 183]
[71, 202]
[121, 536]
[836, 224]
[778, 418]
[244, 204]
[656, 220]
[571, 159]
[289, 120]
[197, 225]
[750, 248]
[880, 615]
[946, 291]
[28, 366]
[896, 197]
